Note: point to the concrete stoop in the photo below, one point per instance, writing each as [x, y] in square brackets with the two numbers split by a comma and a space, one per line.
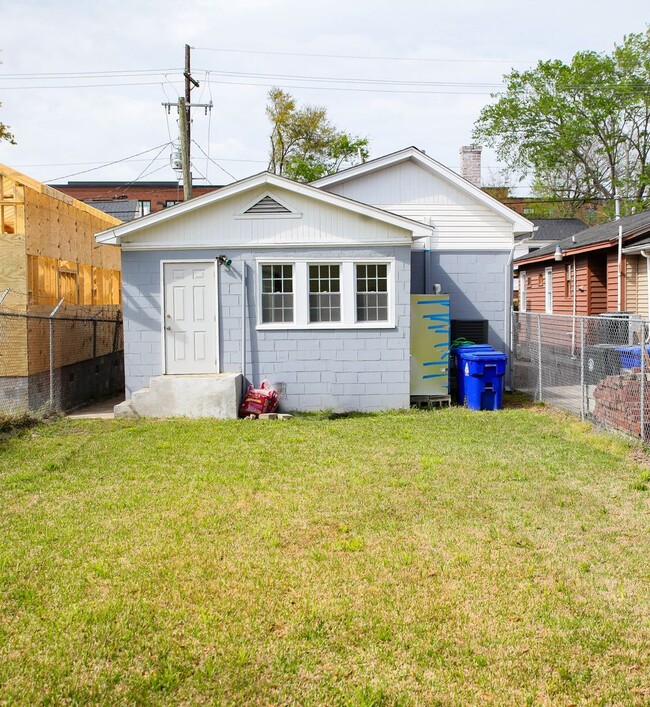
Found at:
[217, 395]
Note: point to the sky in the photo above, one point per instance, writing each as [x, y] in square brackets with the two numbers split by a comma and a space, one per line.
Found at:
[82, 83]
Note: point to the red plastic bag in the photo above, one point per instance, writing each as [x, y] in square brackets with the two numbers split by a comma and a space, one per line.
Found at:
[259, 400]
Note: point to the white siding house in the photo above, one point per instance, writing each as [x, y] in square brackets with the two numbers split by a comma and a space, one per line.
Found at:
[273, 280]
[470, 250]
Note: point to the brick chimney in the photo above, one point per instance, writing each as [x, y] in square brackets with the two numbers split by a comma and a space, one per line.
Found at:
[470, 164]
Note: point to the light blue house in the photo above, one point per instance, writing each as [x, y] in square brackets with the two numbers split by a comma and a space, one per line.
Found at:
[305, 286]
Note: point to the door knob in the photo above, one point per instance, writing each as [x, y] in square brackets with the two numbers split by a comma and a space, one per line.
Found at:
[168, 328]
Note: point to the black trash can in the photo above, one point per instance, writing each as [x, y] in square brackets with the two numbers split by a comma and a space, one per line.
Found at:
[601, 360]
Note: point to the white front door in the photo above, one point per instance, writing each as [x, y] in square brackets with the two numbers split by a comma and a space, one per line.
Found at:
[190, 321]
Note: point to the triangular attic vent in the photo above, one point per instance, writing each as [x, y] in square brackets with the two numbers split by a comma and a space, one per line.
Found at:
[267, 205]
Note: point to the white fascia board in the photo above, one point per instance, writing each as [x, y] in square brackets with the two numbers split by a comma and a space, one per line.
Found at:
[114, 235]
[519, 223]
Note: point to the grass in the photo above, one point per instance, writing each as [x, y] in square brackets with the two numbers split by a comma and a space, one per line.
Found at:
[418, 558]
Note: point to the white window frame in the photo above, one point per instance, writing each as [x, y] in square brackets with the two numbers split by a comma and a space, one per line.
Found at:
[523, 289]
[348, 279]
[548, 290]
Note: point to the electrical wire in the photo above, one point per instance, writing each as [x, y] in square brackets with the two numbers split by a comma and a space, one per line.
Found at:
[108, 164]
[93, 74]
[348, 79]
[126, 186]
[377, 58]
[232, 176]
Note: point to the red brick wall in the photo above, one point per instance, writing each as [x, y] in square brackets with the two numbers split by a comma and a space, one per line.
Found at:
[157, 195]
[618, 403]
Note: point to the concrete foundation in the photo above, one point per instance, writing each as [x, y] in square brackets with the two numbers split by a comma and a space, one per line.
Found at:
[216, 395]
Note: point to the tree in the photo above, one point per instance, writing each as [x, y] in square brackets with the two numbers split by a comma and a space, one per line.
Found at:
[580, 129]
[5, 134]
[304, 144]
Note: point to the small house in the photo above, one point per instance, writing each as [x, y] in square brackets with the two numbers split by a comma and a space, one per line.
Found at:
[308, 286]
[266, 279]
[598, 270]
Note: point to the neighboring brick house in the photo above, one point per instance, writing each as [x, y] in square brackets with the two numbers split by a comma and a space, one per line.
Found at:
[151, 196]
[583, 278]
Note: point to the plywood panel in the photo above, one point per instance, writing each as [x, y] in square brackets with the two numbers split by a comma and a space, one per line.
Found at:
[13, 352]
[13, 266]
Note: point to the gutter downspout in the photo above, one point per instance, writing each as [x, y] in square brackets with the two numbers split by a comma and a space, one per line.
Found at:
[427, 265]
[243, 330]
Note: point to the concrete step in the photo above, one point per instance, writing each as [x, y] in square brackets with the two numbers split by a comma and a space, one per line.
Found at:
[215, 395]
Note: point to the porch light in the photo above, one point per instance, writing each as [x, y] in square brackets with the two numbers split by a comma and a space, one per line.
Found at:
[558, 253]
[223, 260]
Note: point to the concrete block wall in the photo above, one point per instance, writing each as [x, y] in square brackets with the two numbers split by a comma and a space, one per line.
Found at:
[475, 281]
[315, 369]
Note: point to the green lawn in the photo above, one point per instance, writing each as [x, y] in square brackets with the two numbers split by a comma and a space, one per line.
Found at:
[442, 557]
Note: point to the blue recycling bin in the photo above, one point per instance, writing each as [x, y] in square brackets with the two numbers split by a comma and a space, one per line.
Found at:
[631, 356]
[483, 373]
[457, 353]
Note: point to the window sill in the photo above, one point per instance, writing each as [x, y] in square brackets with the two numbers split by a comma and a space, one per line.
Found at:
[328, 325]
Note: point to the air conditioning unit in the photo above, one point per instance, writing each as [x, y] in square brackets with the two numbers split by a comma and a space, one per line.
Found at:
[623, 329]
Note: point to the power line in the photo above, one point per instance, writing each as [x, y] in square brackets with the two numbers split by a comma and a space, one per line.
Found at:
[375, 58]
[345, 79]
[213, 162]
[85, 74]
[108, 164]
[354, 90]
[126, 186]
[102, 162]
[88, 85]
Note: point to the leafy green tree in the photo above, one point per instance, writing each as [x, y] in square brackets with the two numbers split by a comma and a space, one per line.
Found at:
[304, 144]
[5, 134]
[580, 129]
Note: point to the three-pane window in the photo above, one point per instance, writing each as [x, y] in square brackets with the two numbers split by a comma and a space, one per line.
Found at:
[320, 294]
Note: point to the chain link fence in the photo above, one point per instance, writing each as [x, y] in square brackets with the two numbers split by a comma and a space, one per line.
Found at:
[58, 358]
[595, 367]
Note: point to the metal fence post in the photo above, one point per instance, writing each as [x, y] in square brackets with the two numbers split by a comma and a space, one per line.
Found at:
[539, 357]
[52, 315]
[584, 392]
[642, 391]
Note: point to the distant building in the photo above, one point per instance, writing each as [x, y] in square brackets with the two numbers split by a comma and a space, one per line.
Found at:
[151, 196]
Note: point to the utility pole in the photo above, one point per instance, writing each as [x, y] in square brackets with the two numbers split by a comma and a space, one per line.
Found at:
[189, 83]
[185, 123]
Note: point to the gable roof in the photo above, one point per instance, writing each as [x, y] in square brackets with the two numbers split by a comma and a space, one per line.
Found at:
[123, 209]
[520, 224]
[555, 229]
[601, 236]
[115, 235]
